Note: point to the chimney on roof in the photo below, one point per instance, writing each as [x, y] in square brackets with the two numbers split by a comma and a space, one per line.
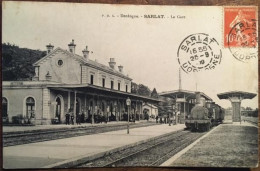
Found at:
[120, 68]
[72, 47]
[112, 63]
[86, 52]
[49, 48]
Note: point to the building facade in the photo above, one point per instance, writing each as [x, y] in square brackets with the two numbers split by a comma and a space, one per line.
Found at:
[65, 81]
[151, 110]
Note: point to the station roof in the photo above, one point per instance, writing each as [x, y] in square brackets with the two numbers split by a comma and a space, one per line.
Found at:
[83, 61]
[243, 94]
[97, 90]
[187, 93]
[83, 88]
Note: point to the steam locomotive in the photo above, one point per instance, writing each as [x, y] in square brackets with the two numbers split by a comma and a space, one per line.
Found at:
[204, 116]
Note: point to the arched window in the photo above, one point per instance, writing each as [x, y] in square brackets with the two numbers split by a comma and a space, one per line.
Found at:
[4, 107]
[30, 107]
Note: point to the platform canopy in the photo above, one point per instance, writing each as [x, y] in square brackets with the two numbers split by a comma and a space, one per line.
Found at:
[240, 94]
[101, 91]
[188, 94]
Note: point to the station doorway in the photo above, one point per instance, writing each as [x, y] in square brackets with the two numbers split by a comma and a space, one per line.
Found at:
[58, 109]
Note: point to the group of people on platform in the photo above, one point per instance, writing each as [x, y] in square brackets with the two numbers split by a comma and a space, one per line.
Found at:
[168, 119]
[98, 118]
[80, 117]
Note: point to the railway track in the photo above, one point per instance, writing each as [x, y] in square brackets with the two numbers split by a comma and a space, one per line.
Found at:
[18, 138]
[251, 120]
[151, 153]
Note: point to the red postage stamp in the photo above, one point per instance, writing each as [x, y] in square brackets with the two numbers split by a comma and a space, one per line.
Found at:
[240, 27]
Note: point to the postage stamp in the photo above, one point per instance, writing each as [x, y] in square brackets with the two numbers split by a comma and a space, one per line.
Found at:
[240, 32]
[199, 52]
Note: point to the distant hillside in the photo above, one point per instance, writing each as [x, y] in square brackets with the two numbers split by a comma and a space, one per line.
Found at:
[17, 62]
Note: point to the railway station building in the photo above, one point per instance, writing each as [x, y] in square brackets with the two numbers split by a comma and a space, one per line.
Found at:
[66, 81]
[185, 100]
[150, 109]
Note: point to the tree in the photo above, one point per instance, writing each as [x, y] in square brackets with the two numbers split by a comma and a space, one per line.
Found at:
[134, 88]
[143, 90]
[17, 62]
[154, 93]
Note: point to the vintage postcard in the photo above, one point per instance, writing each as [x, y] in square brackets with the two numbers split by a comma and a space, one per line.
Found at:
[101, 85]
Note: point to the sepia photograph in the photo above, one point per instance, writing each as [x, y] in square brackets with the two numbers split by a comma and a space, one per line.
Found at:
[87, 85]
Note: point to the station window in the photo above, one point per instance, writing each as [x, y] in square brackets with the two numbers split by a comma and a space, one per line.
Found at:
[92, 79]
[112, 84]
[60, 62]
[103, 82]
[30, 107]
[126, 88]
[119, 86]
[4, 107]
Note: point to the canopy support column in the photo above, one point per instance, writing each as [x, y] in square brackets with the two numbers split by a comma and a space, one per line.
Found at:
[236, 112]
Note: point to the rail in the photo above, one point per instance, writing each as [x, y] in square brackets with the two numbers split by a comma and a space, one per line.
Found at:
[150, 153]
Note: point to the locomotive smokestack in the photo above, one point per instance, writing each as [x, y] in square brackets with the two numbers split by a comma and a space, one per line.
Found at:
[197, 98]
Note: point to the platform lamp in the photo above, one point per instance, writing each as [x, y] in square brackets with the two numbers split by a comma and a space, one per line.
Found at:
[128, 103]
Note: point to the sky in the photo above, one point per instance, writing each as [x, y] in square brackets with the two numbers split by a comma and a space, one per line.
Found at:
[146, 47]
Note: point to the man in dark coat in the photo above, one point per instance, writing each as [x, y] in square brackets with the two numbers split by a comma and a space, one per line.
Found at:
[67, 118]
[78, 117]
[157, 119]
[72, 118]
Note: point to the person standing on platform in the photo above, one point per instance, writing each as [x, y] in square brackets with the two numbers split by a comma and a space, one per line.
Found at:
[178, 117]
[68, 117]
[72, 118]
[156, 119]
[174, 118]
[82, 119]
[77, 118]
[169, 119]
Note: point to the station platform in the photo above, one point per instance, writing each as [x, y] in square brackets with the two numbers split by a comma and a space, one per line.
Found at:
[228, 145]
[60, 126]
[53, 153]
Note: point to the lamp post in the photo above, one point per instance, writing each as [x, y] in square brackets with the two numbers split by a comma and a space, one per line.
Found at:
[174, 114]
[128, 103]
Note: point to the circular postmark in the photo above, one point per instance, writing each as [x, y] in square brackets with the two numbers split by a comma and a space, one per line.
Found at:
[242, 41]
[199, 52]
